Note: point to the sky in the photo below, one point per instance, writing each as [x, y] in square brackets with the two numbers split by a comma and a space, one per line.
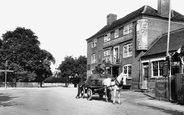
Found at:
[62, 26]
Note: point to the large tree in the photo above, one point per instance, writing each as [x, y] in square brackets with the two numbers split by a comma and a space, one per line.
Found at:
[21, 48]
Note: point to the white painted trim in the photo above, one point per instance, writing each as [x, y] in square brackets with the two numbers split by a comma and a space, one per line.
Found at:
[157, 59]
[145, 61]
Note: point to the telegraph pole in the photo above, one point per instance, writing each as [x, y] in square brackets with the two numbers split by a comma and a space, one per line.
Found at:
[168, 55]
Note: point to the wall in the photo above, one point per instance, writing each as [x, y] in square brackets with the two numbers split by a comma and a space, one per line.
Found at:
[156, 27]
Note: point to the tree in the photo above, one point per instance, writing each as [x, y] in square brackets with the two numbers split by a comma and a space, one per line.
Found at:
[67, 66]
[21, 48]
[71, 66]
[81, 66]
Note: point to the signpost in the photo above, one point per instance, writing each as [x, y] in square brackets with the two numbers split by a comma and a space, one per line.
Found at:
[5, 72]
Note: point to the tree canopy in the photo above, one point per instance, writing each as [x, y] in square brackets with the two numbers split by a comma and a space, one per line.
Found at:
[21, 48]
[72, 66]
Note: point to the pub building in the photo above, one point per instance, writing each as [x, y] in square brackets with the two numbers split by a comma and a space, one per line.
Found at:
[121, 43]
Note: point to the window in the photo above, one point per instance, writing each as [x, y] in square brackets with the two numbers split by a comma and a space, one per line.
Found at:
[127, 70]
[94, 43]
[93, 58]
[116, 54]
[116, 33]
[107, 55]
[157, 68]
[127, 29]
[107, 37]
[127, 50]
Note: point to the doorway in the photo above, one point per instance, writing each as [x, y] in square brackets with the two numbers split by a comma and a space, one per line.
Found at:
[115, 71]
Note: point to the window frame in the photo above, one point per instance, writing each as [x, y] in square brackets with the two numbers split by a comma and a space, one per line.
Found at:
[93, 58]
[128, 76]
[107, 37]
[116, 33]
[159, 70]
[128, 51]
[128, 29]
[94, 43]
[107, 55]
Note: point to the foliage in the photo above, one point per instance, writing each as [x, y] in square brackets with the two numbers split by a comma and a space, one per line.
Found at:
[73, 66]
[21, 49]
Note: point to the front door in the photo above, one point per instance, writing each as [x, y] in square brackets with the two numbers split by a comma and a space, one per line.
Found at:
[115, 71]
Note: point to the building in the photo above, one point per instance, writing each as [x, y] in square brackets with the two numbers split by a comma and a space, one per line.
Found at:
[154, 59]
[122, 42]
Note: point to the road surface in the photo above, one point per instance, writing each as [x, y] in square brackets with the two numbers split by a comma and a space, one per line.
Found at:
[62, 101]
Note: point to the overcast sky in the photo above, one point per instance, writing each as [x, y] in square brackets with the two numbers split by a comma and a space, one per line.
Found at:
[62, 26]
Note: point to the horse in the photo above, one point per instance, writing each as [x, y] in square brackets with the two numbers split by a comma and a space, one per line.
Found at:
[81, 86]
[115, 85]
[80, 92]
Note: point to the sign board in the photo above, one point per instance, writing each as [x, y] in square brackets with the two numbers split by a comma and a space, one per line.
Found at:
[142, 34]
[161, 88]
[165, 68]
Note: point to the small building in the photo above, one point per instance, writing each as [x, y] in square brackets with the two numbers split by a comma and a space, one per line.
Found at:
[153, 60]
[121, 43]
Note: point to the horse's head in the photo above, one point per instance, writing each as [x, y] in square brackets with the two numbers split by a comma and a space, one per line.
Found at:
[121, 79]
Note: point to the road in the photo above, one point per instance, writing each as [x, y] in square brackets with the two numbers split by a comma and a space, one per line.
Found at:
[62, 101]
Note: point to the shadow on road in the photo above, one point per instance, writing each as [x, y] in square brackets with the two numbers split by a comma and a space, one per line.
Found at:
[5, 100]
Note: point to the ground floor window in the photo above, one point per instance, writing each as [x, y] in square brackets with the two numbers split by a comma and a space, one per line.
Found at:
[157, 68]
[127, 70]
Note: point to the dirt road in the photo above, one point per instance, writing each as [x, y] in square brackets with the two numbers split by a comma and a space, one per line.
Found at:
[62, 101]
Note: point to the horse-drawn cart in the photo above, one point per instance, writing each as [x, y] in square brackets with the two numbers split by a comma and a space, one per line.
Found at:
[93, 86]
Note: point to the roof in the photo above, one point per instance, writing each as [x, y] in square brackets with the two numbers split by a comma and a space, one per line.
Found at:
[176, 41]
[143, 11]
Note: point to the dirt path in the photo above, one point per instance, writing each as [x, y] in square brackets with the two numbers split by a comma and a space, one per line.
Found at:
[62, 101]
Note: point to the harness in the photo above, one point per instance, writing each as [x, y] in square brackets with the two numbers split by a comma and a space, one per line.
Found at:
[117, 83]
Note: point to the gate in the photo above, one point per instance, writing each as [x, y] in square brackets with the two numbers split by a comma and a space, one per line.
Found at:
[179, 80]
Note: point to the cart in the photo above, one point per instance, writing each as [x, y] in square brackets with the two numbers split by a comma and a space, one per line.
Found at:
[97, 89]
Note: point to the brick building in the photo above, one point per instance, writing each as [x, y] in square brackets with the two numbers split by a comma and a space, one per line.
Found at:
[122, 42]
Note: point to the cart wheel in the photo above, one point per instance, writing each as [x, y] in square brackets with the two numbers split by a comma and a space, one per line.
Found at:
[101, 96]
[89, 93]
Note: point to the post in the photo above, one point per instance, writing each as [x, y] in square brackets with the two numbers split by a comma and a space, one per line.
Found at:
[6, 64]
[168, 40]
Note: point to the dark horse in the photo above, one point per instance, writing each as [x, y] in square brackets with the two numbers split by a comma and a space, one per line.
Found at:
[80, 92]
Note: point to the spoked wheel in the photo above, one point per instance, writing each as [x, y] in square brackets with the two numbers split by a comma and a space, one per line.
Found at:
[89, 93]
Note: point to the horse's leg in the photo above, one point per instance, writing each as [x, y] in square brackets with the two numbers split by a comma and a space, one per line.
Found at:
[83, 88]
[114, 97]
[105, 90]
[78, 93]
[119, 96]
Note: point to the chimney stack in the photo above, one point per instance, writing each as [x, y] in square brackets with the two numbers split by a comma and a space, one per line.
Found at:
[163, 8]
[111, 18]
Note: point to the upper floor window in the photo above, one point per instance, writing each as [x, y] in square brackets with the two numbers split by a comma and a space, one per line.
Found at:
[127, 70]
[116, 33]
[107, 37]
[127, 29]
[116, 54]
[127, 50]
[107, 55]
[94, 43]
[93, 58]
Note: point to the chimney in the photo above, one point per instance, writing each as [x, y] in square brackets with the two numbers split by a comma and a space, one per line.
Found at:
[163, 8]
[111, 18]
